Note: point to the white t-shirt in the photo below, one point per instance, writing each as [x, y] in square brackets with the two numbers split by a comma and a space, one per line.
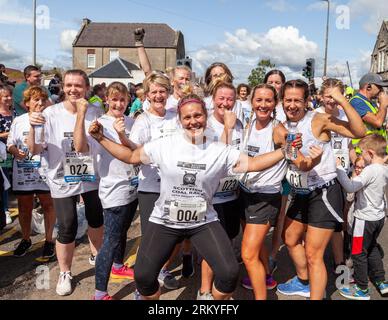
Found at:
[340, 144]
[118, 180]
[280, 115]
[69, 173]
[31, 173]
[172, 104]
[189, 178]
[370, 187]
[228, 187]
[270, 180]
[149, 127]
[246, 109]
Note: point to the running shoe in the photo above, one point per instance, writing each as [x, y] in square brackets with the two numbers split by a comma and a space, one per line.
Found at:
[105, 298]
[64, 283]
[167, 280]
[22, 248]
[48, 250]
[354, 292]
[124, 272]
[137, 295]
[92, 260]
[269, 282]
[204, 296]
[382, 286]
[187, 265]
[294, 287]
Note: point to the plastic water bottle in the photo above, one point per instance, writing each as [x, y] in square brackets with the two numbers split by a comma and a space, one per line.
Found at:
[291, 151]
[39, 139]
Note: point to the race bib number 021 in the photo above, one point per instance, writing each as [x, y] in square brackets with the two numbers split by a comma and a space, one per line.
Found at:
[79, 169]
[188, 212]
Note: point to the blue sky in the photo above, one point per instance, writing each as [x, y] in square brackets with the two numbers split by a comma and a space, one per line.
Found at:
[239, 33]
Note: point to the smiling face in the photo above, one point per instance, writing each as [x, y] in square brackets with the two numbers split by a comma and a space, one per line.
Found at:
[224, 98]
[34, 78]
[74, 87]
[193, 119]
[181, 78]
[158, 97]
[294, 104]
[275, 80]
[37, 103]
[5, 99]
[118, 103]
[217, 72]
[329, 103]
[263, 103]
[243, 94]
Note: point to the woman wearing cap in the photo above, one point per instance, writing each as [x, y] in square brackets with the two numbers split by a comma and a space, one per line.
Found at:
[189, 178]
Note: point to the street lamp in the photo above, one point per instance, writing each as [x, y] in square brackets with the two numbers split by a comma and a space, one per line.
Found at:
[327, 37]
[34, 33]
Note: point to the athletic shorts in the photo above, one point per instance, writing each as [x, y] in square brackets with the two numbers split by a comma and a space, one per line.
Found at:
[32, 192]
[321, 208]
[262, 208]
[286, 188]
[229, 215]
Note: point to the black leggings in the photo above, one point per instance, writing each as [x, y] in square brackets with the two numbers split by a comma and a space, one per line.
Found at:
[211, 242]
[66, 211]
[146, 206]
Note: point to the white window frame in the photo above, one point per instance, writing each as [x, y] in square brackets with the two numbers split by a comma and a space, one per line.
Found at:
[89, 57]
[116, 53]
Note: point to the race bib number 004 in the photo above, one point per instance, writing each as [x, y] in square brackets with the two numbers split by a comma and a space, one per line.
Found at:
[297, 179]
[79, 169]
[188, 212]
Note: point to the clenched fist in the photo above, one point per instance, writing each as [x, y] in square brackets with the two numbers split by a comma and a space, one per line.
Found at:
[96, 130]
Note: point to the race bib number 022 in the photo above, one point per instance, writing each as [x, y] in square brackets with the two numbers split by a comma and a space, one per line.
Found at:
[79, 169]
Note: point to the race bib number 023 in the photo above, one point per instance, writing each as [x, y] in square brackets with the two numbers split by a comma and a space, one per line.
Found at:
[188, 212]
[79, 169]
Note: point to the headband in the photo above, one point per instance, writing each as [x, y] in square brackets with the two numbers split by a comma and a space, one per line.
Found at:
[193, 100]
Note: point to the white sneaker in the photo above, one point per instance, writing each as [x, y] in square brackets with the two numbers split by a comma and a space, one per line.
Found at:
[137, 295]
[204, 296]
[92, 260]
[64, 283]
[8, 218]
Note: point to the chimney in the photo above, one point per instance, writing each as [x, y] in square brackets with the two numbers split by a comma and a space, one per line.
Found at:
[86, 21]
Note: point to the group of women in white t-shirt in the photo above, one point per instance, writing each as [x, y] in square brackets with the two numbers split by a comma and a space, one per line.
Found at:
[195, 173]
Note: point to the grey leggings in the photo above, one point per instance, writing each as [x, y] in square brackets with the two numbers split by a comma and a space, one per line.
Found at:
[66, 211]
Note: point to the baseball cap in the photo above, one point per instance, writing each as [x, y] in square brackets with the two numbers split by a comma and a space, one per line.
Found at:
[373, 78]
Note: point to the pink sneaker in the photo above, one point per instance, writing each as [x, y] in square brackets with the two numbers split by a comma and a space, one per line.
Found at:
[270, 282]
[106, 297]
[124, 272]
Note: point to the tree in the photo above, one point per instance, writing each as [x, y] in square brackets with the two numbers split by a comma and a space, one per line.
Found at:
[257, 75]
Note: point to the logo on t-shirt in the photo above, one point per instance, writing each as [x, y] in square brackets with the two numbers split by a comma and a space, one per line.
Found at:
[189, 179]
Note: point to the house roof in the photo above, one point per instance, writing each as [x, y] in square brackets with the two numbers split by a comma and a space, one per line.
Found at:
[119, 35]
[116, 69]
[382, 36]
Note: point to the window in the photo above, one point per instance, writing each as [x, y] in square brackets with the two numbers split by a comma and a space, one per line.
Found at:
[113, 54]
[91, 60]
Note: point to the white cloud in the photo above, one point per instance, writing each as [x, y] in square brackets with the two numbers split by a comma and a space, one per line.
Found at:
[375, 11]
[321, 6]
[12, 12]
[67, 38]
[9, 55]
[242, 50]
[279, 5]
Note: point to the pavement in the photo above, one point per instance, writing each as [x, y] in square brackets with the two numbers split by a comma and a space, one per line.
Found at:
[27, 278]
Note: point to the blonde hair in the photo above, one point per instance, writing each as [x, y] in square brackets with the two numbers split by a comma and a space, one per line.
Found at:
[220, 83]
[33, 92]
[332, 83]
[117, 87]
[376, 143]
[157, 78]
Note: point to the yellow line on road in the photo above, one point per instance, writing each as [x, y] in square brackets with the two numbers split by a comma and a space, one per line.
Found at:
[8, 234]
[36, 246]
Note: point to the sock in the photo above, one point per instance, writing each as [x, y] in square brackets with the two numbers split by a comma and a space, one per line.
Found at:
[100, 294]
[117, 265]
[304, 282]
